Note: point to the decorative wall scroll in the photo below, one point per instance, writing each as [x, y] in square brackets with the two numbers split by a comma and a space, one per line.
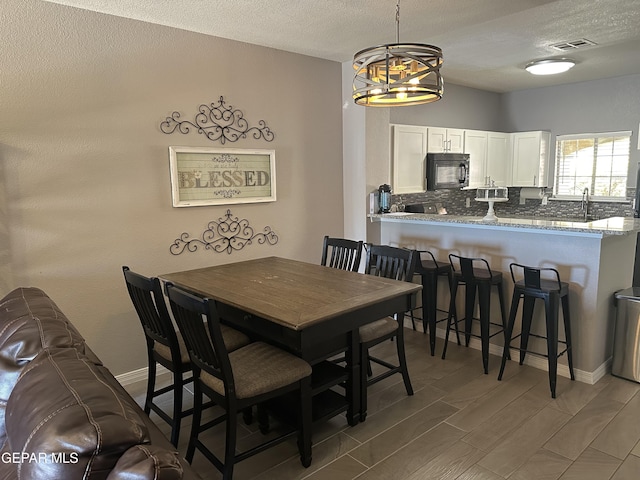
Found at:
[226, 234]
[217, 176]
[218, 121]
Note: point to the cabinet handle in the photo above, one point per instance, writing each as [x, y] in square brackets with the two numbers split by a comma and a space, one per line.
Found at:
[534, 180]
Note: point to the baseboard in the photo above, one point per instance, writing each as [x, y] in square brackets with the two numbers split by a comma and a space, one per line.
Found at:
[139, 375]
[536, 362]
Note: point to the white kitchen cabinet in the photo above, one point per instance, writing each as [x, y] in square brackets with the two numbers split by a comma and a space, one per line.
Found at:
[488, 157]
[449, 140]
[530, 159]
[498, 158]
[475, 144]
[408, 161]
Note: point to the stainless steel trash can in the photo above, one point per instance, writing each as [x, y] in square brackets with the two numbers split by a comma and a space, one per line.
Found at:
[626, 339]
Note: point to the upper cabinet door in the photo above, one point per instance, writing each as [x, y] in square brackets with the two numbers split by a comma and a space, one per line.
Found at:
[409, 154]
[437, 142]
[531, 159]
[475, 144]
[455, 140]
[449, 140]
[498, 159]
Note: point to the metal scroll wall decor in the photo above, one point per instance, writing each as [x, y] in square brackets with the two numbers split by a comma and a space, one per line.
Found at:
[226, 234]
[218, 121]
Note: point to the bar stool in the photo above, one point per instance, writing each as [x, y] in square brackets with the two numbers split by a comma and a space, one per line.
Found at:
[476, 275]
[531, 287]
[429, 270]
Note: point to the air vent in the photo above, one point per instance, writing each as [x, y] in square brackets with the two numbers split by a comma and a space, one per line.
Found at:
[570, 46]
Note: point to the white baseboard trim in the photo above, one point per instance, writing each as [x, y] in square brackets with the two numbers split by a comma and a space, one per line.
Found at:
[537, 362]
[139, 375]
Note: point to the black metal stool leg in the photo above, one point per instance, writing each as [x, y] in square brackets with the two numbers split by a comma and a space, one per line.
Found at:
[515, 301]
[503, 314]
[567, 333]
[484, 293]
[469, 304]
[452, 316]
[551, 307]
[429, 309]
[527, 316]
[453, 305]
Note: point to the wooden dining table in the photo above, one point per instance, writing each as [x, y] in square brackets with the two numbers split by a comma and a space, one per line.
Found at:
[310, 310]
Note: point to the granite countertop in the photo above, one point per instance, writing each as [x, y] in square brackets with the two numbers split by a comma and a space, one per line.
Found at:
[603, 227]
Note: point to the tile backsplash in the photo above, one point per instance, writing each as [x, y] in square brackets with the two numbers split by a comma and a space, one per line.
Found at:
[455, 203]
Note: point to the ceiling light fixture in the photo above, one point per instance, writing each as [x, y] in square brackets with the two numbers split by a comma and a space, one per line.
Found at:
[397, 74]
[550, 66]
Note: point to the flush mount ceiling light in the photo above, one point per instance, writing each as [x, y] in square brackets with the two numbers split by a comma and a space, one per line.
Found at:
[397, 74]
[550, 66]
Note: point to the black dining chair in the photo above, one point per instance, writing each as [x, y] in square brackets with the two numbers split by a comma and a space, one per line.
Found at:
[248, 376]
[397, 264]
[165, 346]
[341, 253]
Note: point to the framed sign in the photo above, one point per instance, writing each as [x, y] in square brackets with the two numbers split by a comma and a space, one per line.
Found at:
[219, 176]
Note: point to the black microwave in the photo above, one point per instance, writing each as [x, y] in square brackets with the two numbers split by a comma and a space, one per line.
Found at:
[447, 170]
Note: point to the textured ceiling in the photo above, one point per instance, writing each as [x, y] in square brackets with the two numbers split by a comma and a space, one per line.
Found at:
[486, 43]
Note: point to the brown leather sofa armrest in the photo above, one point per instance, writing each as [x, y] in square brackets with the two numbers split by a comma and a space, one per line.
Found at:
[147, 462]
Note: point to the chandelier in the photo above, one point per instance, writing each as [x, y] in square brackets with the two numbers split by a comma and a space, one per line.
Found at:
[397, 74]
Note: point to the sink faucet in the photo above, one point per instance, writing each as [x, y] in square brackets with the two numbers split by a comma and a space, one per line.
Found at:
[585, 203]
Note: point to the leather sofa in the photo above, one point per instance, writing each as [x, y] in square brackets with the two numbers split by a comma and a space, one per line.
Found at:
[63, 415]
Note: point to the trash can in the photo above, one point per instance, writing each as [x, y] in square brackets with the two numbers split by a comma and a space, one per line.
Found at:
[626, 339]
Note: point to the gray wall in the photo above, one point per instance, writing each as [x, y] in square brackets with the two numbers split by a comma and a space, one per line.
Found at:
[84, 167]
[598, 106]
[460, 107]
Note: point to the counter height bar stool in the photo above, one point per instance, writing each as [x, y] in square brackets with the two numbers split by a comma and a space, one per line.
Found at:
[250, 375]
[531, 286]
[398, 264]
[165, 346]
[341, 253]
[476, 276]
[429, 270]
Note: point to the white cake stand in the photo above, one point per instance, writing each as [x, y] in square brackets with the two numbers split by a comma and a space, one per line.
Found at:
[491, 214]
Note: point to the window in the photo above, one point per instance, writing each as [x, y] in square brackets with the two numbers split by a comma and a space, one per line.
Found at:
[599, 162]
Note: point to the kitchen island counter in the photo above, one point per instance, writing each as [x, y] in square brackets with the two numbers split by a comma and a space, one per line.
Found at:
[600, 228]
[596, 259]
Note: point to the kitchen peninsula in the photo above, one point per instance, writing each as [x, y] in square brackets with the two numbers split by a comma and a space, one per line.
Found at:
[596, 258]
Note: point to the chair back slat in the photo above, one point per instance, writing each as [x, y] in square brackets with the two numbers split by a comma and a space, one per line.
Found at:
[199, 324]
[341, 253]
[532, 277]
[390, 262]
[148, 301]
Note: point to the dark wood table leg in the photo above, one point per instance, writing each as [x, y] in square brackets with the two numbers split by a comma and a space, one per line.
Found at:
[354, 415]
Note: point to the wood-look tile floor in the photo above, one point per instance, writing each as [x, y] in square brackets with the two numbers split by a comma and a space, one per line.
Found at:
[459, 424]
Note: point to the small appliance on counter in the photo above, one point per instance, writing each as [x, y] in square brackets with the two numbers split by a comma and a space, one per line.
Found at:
[384, 198]
[421, 208]
[491, 195]
[447, 170]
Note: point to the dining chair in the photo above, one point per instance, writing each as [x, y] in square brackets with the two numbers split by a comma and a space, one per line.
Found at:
[235, 381]
[165, 346]
[341, 253]
[397, 264]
